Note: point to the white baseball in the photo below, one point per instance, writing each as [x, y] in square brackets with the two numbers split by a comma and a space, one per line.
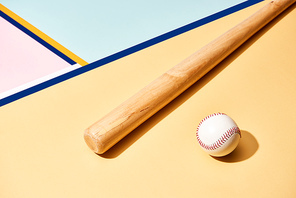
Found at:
[218, 134]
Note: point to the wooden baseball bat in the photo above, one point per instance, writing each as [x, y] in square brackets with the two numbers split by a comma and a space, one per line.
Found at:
[106, 132]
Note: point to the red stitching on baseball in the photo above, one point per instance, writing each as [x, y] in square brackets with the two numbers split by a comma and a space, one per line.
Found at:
[222, 139]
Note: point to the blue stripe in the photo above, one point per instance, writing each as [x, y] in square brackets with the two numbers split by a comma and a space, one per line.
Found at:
[128, 51]
[172, 33]
[37, 38]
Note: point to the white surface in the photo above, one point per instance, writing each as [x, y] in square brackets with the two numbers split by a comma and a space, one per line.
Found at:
[38, 81]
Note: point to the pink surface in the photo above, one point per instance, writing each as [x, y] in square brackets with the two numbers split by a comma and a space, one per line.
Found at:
[22, 59]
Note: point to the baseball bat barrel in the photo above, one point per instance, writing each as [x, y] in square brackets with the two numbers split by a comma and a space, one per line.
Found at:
[110, 129]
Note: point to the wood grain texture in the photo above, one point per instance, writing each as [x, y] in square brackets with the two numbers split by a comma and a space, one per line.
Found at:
[106, 132]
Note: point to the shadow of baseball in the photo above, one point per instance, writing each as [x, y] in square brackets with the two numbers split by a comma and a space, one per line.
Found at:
[246, 148]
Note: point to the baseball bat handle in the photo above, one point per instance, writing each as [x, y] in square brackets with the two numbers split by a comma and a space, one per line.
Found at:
[107, 131]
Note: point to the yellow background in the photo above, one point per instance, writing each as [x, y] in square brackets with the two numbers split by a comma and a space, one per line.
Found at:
[43, 154]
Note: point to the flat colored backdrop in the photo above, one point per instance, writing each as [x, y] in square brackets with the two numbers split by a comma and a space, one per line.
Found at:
[93, 29]
[22, 59]
[34, 48]
[43, 154]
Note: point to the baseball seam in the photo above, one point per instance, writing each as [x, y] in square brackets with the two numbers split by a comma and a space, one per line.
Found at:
[226, 135]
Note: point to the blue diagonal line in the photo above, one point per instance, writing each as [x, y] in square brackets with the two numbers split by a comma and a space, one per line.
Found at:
[127, 51]
[36, 38]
